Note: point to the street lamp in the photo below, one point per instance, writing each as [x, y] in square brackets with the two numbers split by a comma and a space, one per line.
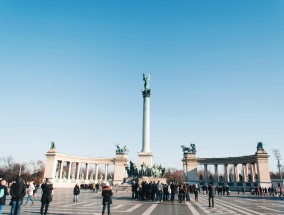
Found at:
[277, 155]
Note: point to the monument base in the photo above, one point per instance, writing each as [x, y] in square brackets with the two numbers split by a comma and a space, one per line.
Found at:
[145, 157]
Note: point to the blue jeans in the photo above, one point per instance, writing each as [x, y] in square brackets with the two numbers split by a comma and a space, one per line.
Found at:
[1, 209]
[16, 207]
[29, 198]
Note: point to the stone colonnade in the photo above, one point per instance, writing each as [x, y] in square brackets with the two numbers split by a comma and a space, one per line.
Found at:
[67, 170]
[255, 166]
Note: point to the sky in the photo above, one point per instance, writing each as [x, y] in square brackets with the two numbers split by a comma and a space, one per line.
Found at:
[72, 72]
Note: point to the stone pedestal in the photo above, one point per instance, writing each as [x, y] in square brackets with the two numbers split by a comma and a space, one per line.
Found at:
[50, 164]
[190, 168]
[263, 168]
[145, 158]
[120, 161]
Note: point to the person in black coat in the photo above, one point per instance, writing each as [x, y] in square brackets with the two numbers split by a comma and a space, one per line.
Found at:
[17, 191]
[46, 198]
[106, 193]
[4, 191]
[76, 192]
[211, 194]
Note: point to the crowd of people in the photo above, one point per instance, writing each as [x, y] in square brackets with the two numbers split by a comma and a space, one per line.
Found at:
[144, 191]
[18, 190]
[157, 191]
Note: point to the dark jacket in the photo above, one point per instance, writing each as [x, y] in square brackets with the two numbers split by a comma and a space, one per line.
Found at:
[18, 190]
[3, 199]
[212, 191]
[46, 192]
[107, 193]
[76, 190]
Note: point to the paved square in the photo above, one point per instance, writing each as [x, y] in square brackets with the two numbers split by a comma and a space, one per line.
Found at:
[91, 204]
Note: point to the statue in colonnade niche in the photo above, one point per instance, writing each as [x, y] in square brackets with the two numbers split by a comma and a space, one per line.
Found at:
[100, 176]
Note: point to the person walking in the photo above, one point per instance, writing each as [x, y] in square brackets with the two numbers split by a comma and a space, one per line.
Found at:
[107, 201]
[76, 192]
[46, 198]
[211, 194]
[17, 191]
[3, 194]
[30, 193]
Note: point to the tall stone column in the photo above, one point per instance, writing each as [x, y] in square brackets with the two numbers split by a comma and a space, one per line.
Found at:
[145, 156]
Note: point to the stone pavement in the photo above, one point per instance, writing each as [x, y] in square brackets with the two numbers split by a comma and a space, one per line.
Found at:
[90, 204]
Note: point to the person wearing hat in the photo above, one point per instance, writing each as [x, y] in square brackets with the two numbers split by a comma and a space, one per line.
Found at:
[106, 193]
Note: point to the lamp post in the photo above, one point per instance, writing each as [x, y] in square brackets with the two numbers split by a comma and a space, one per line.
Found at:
[277, 155]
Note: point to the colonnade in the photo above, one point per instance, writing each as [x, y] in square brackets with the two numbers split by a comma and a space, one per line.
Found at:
[69, 172]
[226, 175]
[255, 165]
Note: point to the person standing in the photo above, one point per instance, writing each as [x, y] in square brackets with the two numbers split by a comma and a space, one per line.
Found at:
[76, 192]
[30, 193]
[107, 194]
[46, 198]
[17, 191]
[211, 195]
[3, 194]
[173, 191]
[196, 192]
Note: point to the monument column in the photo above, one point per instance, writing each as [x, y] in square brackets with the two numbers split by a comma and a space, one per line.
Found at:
[145, 156]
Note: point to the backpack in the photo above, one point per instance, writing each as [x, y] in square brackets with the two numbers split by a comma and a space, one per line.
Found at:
[1, 192]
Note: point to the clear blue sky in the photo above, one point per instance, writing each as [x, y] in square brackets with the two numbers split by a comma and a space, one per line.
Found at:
[71, 72]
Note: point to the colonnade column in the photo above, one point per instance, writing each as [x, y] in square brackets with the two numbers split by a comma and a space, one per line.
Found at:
[236, 171]
[97, 171]
[205, 172]
[226, 175]
[77, 171]
[245, 171]
[216, 173]
[69, 169]
[61, 170]
[106, 166]
[87, 172]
